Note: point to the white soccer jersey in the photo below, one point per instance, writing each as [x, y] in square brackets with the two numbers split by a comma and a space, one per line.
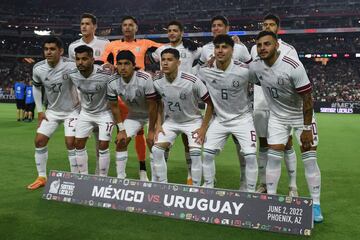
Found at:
[92, 89]
[181, 96]
[134, 94]
[282, 84]
[259, 98]
[97, 44]
[60, 92]
[187, 57]
[228, 90]
[241, 53]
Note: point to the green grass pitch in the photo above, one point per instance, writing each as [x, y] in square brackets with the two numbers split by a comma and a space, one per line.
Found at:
[24, 215]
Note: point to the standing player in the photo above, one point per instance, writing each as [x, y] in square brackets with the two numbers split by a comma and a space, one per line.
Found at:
[228, 83]
[287, 90]
[29, 103]
[138, 47]
[19, 89]
[136, 90]
[88, 26]
[91, 81]
[180, 93]
[63, 105]
[220, 26]
[189, 53]
[261, 115]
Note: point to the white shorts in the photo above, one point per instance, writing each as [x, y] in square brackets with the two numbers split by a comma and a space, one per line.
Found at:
[242, 128]
[132, 126]
[173, 129]
[279, 132]
[48, 127]
[87, 122]
[261, 120]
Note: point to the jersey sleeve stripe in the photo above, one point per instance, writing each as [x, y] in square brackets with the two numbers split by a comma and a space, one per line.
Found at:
[152, 95]
[111, 98]
[288, 62]
[291, 60]
[304, 89]
[205, 97]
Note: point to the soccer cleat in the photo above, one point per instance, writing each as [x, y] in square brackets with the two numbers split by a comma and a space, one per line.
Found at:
[39, 182]
[261, 188]
[293, 192]
[143, 176]
[189, 181]
[318, 217]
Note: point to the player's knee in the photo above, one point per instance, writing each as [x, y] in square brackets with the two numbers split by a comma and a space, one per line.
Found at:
[263, 142]
[289, 144]
[41, 141]
[103, 145]
[79, 143]
[70, 143]
[277, 147]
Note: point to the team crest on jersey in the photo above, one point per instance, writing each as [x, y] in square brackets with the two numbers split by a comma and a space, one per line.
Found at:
[65, 77]
[183, 55]
[281, 79]
[97, 52]
[183, 95]
[236, 83]
[138, 93]
[98, 87]
[137, 49]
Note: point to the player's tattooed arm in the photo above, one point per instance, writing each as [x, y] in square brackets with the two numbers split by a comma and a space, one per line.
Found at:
[153, 114]
[306, 136]
[201, 132]
[121, 135]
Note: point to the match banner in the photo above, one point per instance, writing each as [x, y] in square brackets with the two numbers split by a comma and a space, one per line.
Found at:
[273, 213]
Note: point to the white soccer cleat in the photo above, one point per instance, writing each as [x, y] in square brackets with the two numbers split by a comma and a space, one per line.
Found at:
[293, 192]
[143, 176]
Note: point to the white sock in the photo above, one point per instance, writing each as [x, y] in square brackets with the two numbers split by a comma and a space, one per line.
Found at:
[188, 162]
[312, 174]
[153, 175]
[273, 170]
[196, 166]
[97, 164]
[241, 161]
[209, 167]
[290, 162]
[104, 162]
[251, 171]
[160, 166]
[72, 160]
[121, 160]
[82, 160]
[262, 161]
[41, 157]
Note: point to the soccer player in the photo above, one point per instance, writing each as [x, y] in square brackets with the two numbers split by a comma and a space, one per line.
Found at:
[287, 91]
[91, 81]
[19, 89]
[228, 83]
[29, 103]
[189, 52]
[180, 93]
[261, 115]
[136, 89]
[138, 47]
[220, 26]
[88, 26]
[62, 105]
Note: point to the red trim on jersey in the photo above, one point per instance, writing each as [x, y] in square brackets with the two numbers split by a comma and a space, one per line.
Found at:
[291, 61]
[304, 89]
[151, 95]
[205, 97]
[288, 62]
[143, 75]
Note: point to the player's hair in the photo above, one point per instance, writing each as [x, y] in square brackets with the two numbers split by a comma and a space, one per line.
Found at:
[273, 17]
[176, 23]
[91, 16]
[129, 17]
[172, 51]
[84, 48]
[266, 33]
[224, 38]
[53, 39]
[221, 18]
[126, 54]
